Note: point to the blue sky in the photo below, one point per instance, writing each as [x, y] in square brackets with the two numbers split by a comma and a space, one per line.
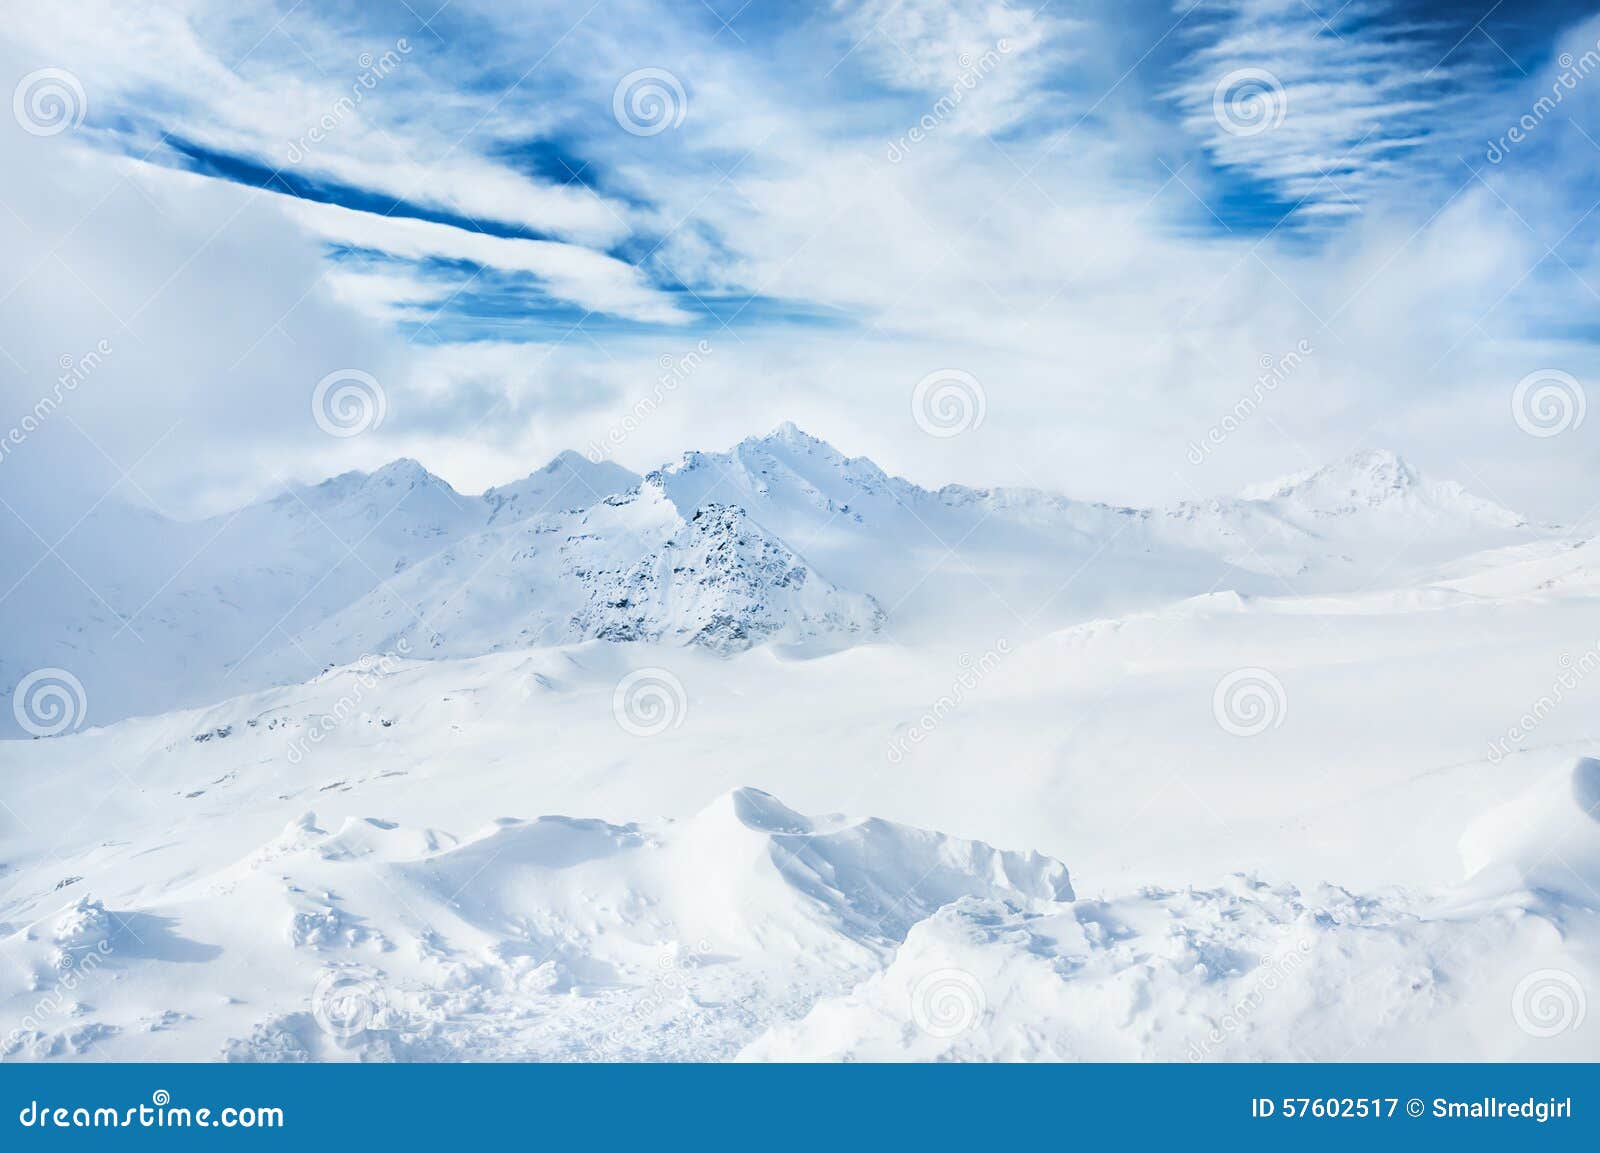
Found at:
[1110, 215]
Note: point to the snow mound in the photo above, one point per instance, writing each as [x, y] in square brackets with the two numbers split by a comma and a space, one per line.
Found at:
[552, 937]
[1547, 839]
[747, 873]
[1244, 972]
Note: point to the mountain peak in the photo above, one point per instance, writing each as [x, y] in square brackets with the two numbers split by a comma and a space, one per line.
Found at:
[570, 480]
[1382, 465]
[402, 470]
[1378, 479]
[789, 430]
[789, 433]
[566, 458]
[1368, 476]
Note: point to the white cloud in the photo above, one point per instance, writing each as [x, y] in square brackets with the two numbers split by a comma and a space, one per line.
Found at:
[390, 295]
[569, 272]
[233, 87]
[991, 56]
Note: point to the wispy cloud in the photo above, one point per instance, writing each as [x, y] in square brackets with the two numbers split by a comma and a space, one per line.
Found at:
[1321, 111]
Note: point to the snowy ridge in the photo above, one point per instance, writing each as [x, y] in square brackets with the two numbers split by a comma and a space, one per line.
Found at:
[781, 539]
[570, 481]
[1370, 516]
[1364, 478]
[1378, 480]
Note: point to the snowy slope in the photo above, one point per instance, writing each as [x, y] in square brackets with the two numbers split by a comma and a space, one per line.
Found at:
[150, 613]
[169, 613]
[1391, 865]
[570, 481]
[749, 930]
[1551, 566]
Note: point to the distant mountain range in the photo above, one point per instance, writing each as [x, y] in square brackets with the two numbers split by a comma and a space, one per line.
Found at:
[781, 540]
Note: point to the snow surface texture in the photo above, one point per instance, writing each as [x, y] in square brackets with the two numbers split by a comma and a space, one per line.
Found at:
[1318, 758]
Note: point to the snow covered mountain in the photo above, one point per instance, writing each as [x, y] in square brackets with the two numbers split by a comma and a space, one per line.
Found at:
[1371, 515]
[631, 567]
[781, 539]
[149, 612]
[721, 582]
[1011, 555]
